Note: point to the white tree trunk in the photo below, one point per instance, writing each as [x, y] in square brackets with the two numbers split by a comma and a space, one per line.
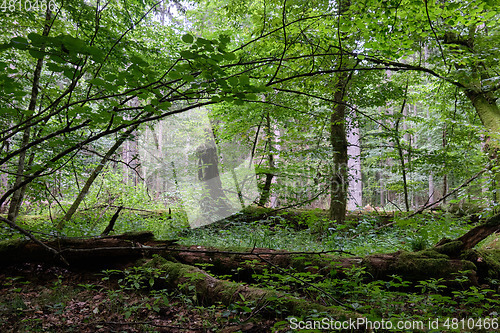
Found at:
[273, 200]
[355, 197]
[431, 188]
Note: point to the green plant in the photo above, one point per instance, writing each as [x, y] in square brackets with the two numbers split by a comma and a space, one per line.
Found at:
[431, 285]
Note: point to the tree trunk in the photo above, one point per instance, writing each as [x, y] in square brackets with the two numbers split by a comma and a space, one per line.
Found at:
[489, 113]
[402, 158]
[17, 196]
[445, 259]
[355, 199]
[432, 189]
[339, 184]
[430, 198]
[338, 139]
[266, 190]
[85, 189]
[214, 204]
[209, 290]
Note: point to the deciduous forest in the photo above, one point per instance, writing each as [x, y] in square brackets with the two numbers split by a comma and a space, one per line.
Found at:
[249, 166]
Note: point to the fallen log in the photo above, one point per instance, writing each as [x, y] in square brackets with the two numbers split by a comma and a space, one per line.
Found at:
[99, 253]
[210, 290]
[469, 239]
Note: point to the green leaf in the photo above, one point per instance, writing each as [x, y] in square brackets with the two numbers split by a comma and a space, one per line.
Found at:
[187, 38]
[19, 43]
[36, 39]
[188, 55]
[73, 44]
[54, 68]
[229, 56]
[252, 97]
[35, 168]
[98, 81]
[164, 105]
[70, 73]
[36, 54]
[149, 108]
[97, 55]
[58, 59]
[244, 80]
[234, 81]
[188, 78]
[138, 60]
[110, 77]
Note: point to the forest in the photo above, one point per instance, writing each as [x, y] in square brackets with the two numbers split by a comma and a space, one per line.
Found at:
[249, 166]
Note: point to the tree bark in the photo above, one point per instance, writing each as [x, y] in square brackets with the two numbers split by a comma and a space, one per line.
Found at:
[355, 199]
[445, 259]
[209, 290]
[402, 158]
[214, 203]
[17, 196]
[339, 184]
[266, 190]
[338, 139]
[470, 239]
[489, 113]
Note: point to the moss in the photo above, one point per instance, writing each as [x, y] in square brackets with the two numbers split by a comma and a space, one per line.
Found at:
[492, 242]
[211, 290]
[256, 211]
[431, 253]
[451, 248]
[300, 262]
[427, 264]
[12, 244]
[487, 262]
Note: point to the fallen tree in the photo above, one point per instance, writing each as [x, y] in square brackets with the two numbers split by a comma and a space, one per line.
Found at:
[177, 264]
[448, 257]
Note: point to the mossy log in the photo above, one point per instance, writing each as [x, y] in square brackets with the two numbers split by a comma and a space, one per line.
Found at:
[460, 247]
[411, 266]
[82, 252]
[209, 290]
[107, 251]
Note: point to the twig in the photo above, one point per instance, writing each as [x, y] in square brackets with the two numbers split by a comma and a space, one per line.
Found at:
[456, 189]
[300, 203]
[115, 206]
[434, 32]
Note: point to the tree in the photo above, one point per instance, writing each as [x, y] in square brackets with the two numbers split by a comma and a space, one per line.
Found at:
[96, 86]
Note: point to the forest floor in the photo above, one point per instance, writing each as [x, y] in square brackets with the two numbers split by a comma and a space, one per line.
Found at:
[46, 298]
[41, 298]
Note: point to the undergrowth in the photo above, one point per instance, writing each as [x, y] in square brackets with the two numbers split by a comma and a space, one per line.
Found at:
[292, 231]
[120, 298]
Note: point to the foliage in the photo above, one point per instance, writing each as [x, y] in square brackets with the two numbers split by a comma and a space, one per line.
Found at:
[80, 81]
